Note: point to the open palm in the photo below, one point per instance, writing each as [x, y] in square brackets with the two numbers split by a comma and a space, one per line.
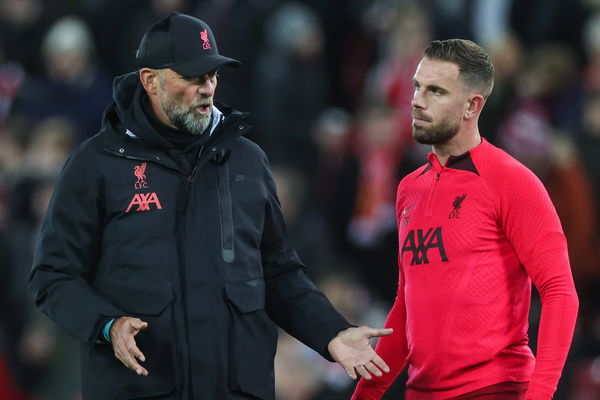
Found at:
[352, 349]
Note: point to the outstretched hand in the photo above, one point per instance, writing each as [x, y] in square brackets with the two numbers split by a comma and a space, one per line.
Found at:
[122, 334]
[352, 350]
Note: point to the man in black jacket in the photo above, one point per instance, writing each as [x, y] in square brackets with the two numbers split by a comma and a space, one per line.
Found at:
[163, 249]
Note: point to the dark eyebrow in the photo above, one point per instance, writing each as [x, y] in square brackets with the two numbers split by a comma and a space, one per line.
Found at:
[435, 87]
[431, 87]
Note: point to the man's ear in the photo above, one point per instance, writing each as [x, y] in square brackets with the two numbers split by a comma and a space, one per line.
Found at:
[150, 80]
[474, 106]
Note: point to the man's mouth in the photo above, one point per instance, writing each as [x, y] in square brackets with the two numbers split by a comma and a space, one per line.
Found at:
[203, 109]
[420, 118]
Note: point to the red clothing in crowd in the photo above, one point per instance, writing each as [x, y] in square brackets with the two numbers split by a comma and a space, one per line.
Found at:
[8, 388]
[473, 235]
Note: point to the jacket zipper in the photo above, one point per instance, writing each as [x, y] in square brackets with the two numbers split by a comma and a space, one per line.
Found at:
[226, 214]
[189, 180]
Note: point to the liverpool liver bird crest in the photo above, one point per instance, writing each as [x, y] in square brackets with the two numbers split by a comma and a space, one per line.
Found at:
[140, 172]
[205, 40]
[456, 204]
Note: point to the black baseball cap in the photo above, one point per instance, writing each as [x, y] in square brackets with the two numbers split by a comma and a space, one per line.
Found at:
[183, 43]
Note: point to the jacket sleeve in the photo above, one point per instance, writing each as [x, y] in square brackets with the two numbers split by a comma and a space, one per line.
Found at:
[67, 251]
[393, 349]
[533, 227]
[292, 300]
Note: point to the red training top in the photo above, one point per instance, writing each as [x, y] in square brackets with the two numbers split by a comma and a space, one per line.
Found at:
[473, 235]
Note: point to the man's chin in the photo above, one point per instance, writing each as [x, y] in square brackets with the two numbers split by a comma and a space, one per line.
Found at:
[420, 136]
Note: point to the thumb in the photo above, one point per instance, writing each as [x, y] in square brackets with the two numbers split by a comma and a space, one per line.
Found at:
[138, 324]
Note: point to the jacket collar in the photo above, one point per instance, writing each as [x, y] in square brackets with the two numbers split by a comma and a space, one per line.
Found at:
[122, 142]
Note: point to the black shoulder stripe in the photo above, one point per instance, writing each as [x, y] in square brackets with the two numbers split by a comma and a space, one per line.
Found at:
[429, 166]
[463, 162]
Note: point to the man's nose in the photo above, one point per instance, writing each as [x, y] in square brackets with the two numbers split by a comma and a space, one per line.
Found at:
[207, 87]
[417, 101]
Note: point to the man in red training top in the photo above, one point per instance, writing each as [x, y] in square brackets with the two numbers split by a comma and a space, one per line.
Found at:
[475, 228]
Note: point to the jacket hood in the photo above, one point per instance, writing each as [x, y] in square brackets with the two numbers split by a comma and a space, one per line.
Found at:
[127, 113]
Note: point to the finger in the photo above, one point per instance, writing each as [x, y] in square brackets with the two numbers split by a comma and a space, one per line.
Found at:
[134, 365]
[134, 352]
[131, 363]
[372, 368]
[380, 332]
[351, 373]
[137, 353]
[362, 371]
[380, 363]
[123, 355]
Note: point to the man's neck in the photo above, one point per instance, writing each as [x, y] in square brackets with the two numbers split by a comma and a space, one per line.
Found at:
[458, 145]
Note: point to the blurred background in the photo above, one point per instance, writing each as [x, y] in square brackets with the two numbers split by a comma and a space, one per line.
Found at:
[328, 83]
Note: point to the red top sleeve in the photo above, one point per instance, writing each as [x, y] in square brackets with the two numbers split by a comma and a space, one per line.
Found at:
[532, 226]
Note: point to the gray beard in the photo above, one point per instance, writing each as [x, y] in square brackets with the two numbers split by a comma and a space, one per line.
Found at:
[184, 119]
[189, 123]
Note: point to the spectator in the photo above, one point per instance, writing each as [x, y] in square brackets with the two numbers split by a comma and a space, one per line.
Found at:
[293, 88]
[74, 86]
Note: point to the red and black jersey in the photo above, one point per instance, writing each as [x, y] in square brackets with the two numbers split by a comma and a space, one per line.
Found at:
[473, 235]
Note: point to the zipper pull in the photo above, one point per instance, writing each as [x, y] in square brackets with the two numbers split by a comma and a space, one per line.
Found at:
[221, 156]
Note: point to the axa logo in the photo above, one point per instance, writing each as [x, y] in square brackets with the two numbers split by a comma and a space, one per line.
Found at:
[143, 201]
[419, 242]
[140, 173]
[455, 213]
[205, 41]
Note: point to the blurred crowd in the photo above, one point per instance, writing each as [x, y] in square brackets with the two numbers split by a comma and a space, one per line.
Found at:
[328, 84]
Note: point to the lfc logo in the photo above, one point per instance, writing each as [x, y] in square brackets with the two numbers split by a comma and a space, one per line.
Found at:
[455, 213]
[143, 202]
[140, 173]
[205, 41]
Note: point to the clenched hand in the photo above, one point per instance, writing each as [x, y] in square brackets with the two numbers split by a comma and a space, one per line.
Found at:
[352, 350]
[122, 333]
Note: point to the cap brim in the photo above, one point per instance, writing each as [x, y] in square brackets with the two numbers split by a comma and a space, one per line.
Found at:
[203, 65]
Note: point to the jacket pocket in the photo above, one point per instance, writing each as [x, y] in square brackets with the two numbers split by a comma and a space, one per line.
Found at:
[156, 342]
[252, 340]
[226, 214]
